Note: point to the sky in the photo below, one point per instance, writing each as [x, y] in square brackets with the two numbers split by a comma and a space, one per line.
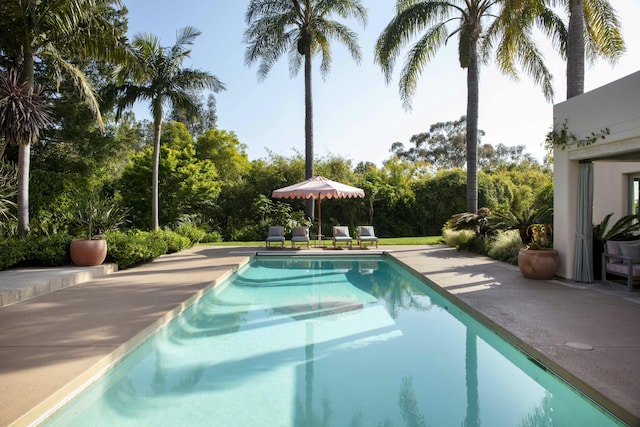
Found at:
[357, 115]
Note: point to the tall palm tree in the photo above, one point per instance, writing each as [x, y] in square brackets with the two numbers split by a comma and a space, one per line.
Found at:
[35, 31]
[593, 32]
[155, 74]
[471, 21]
[301, 28]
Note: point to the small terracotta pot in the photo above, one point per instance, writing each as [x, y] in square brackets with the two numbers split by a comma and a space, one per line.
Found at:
[85, 252]
[538, 263]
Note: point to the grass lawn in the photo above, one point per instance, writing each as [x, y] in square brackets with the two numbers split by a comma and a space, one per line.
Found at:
[427, 240]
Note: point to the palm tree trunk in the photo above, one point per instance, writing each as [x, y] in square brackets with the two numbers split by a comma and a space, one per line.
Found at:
[157, 128]
[24, 152]
[24, 157]
[472, 129]
[575, 49]
[308, 126]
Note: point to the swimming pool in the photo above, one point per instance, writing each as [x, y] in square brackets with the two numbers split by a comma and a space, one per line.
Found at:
[309, 341]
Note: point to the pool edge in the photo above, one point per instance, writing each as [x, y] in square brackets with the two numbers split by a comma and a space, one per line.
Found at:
[619, 412]
[58, 399]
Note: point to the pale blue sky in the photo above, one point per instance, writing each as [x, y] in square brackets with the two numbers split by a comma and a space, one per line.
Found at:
[356, 115]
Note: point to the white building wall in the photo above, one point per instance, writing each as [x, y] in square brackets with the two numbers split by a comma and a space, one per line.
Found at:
[615, 106]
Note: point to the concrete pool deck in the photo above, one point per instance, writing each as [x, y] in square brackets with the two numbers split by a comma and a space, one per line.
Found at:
[54, 342]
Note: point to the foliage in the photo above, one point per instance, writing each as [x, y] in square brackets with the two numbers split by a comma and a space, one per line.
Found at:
[564, 139]
[46, 250]
[130, 248]
[623, 229]
[23, 111]
[35, 251]
[11, 252]
[211, 237]
[301, 29]
[521, 221]
[8, 191]
[97, 215]
[226, 152]
[156, 74]
[540, 236]
[175, 242]
[505, 246]
[191, 231]
[187, 185]
[460, 239]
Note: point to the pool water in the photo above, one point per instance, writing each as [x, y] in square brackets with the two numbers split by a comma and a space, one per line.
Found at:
[327, 341]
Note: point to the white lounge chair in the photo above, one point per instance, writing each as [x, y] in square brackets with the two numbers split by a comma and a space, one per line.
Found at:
[276, 235]
[301, 236]
[366, 234]
[341, 235]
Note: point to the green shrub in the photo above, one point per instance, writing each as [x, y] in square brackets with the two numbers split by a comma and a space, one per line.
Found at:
[131, 248]
[175, 242]
[191, 231]
[11, 252]
[460, 239]
[50, 250]
[505, 246]
[212, 236]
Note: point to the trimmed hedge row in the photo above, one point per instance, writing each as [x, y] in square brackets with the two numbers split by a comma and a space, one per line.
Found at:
[125, 248]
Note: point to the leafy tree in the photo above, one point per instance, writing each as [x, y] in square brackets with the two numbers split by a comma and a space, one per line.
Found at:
[48, 32]
[207, 117]
[434, 18]
[188, 185]
[301, 28]
[156, 74]
[226, 151]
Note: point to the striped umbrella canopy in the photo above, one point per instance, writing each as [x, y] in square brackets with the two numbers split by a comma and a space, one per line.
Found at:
[319, 188]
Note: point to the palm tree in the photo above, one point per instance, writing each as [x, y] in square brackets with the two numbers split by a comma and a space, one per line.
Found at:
[301, 28]
[155, 74]
[45, 31]
[593, 32]
[476, 26]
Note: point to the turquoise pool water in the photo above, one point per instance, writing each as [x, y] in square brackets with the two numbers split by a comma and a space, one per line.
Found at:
[327, 341]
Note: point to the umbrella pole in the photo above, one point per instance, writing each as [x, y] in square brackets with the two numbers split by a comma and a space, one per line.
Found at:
[319, 236]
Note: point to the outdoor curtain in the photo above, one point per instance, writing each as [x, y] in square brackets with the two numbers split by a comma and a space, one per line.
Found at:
[583, 265]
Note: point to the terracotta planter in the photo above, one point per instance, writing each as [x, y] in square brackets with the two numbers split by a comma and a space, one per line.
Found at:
[85, 252]
[538, 263]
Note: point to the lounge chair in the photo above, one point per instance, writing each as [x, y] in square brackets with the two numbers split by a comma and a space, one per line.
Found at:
[341, 235]
[300, 235]
[276, 235]
[366, 234]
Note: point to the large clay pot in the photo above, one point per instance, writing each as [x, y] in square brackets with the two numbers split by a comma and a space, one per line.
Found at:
[85, 252]
[538, 263]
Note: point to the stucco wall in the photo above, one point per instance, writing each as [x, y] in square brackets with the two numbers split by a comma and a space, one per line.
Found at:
[615, 106]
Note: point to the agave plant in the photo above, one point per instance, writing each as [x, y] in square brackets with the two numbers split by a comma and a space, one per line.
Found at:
[95, 216]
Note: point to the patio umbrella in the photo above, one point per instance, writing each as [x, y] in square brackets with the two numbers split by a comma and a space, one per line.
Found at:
[319, 188]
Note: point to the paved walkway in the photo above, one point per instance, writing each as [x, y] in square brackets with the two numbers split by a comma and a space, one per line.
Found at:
[52, 343]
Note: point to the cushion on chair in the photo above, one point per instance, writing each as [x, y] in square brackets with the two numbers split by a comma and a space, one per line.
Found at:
[613, 248]
[631, 251]
[623, 269]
